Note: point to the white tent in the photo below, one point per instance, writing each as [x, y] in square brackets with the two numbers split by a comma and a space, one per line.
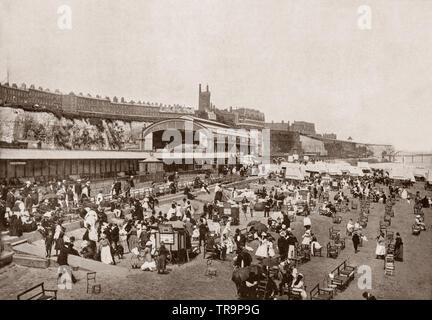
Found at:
[311, 167]
[429, 176]
[401, 173]
[355, 172]
[421, 172]
[334, 169]
[293, 173]
[321, 167]
[364, 166]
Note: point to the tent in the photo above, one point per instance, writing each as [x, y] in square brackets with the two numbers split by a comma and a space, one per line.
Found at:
[356, 172]
[429, 176]
[321, 167]
[399, 173]
[334, 169]
[311, 167]
[420, 172]
[364, 166]
[293, 173]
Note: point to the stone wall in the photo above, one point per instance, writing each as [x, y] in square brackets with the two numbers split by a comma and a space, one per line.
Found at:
[67, 133]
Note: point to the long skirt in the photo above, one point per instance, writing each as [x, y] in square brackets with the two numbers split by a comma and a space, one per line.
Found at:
[380, 250]
[133, 242]
[124, 244]
[148, 265]
[106, 256]
[399, 253]
[262, 251]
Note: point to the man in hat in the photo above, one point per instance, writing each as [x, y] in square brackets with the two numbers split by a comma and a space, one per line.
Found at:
[62, 258]
[28, 202]
[356, 241]
[10, 199]
[282, 244]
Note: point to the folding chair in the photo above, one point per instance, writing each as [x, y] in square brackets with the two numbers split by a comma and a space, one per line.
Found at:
[92, 286]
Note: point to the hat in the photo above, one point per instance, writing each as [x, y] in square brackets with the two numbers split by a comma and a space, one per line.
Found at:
[148, 244]
[47, 214]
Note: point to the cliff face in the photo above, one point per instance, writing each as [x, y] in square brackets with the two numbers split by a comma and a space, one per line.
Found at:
[63, 133]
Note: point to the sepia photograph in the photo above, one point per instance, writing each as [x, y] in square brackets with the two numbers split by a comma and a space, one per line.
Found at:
[241, 151]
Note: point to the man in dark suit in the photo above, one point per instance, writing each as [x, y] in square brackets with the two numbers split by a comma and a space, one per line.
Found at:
[62, 258]
[10, 199]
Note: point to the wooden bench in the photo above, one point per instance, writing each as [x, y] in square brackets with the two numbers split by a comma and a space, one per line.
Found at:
[38, 292]
[318, 293]
[342, 275]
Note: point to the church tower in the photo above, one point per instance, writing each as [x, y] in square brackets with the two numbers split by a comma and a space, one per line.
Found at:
[204, 99]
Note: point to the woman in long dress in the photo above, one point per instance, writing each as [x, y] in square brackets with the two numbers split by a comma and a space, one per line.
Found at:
[123, 239]
[380, 248]
[105, 250]
[149, 263]
[398, 250]
[132, 238]
[262, 251]
[58, 238]
[307, 238]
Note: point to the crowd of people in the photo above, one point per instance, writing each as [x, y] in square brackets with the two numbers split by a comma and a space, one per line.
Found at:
[134, 223]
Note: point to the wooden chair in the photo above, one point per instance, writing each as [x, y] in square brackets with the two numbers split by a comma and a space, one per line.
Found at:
[389, 235]
[293, 294]
[387, 220]
[38, 292]
[389, 265]
[92, 286]
[261, 290]
[318, 293]
[334, 234]
[210, 271]
[332, 251]
[317, 251]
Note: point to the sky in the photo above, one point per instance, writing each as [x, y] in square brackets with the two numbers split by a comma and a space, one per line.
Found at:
[294, 60]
